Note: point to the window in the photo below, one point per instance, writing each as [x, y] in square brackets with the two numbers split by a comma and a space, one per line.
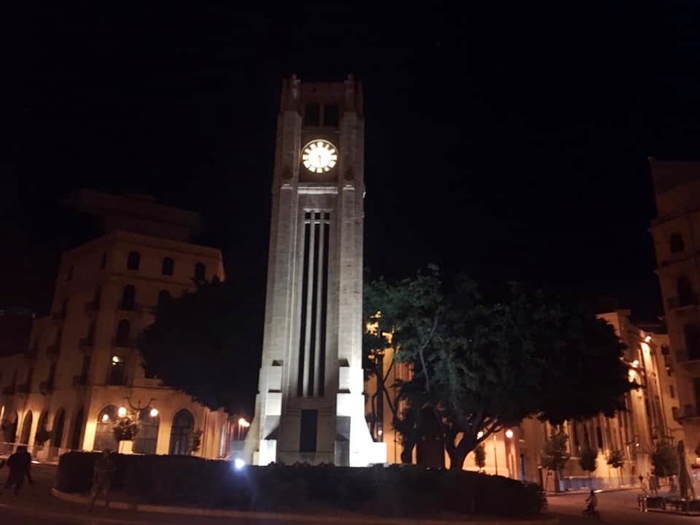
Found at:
[116, 371]
[69, 276]
[168, 266]
[676, 243]
[331, 115]
[312, 115]
[309, 428]
[672, 391]
[52, 375]
[200, 271]
[181, 433]
[685, 291]
[103, 261]
[692, 341]
[163, 298]
[104, 436]
[146, 439]
[599, 437]
[128, 297]
[133, 261]
[123, 333]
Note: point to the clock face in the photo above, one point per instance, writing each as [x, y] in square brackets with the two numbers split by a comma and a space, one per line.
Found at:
[319, 156]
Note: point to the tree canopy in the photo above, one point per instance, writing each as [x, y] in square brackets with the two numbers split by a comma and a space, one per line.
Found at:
[206, 343]
[484, 364]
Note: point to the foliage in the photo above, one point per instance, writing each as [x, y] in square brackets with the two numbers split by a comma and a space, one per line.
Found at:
[588, 459]
[395, 490]
[480, 456]
[664, 459]
[482, 365]
[197, 439]
[616, 458]
[554, 451]
[125, 429]
[215, 328]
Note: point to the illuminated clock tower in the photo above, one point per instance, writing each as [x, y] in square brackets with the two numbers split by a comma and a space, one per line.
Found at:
[310, 404]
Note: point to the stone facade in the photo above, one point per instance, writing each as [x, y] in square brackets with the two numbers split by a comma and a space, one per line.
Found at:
[676, 234]
[81, 365]
[310, 404]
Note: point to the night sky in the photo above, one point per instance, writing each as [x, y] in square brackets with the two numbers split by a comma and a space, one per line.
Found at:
[508, 141]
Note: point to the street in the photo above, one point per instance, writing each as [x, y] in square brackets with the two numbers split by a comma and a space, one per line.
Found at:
[617, 508]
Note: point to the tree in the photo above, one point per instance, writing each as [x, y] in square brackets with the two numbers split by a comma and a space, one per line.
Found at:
[555, 454]
[616, 459]
[483, 365]
[589, 459]
[206, 343]
[664, 459]
[480, 456]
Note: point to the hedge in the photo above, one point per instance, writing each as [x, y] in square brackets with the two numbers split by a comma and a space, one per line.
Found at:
[404, 490]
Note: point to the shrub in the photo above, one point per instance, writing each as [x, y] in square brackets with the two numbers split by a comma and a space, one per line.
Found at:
[397, 490]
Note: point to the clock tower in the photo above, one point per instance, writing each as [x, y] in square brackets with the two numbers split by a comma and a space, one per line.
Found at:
[310, 405]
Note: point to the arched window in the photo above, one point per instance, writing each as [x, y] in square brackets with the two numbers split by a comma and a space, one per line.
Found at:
[104, 436]
[692, 340]
[163, 298]
[200, 271]
[147, 438]
[128, 297]
[57, 428]
[123, 334]
[117, 374]
[133, 261]
[676, 243]
[168, 266]
[685, 291]
[76, 435]
[9, 428]
[26, 428]
[41, 430]
[181, 433]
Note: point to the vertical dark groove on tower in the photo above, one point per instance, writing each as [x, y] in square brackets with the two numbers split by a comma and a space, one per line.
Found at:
[314, 306]
[304, 296]
[324, 305]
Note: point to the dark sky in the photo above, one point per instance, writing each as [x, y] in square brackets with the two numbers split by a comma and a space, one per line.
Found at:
[509, 141]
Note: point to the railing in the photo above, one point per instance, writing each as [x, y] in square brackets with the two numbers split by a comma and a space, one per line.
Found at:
[682, 301]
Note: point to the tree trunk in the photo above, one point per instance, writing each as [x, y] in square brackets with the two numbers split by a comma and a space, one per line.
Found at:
[407, 452]
[457, 457]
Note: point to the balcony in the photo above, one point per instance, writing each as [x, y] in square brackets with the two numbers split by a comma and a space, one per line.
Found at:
[80, 380]
[682, 301]
[8, 390]
[685, 412]
[92, 306]
[86, 344]
[123, 343]
[46, 387]
[23, 388]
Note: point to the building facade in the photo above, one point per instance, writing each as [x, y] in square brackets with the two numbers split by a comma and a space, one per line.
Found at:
[81, 369]
[676, 234]
[516, 452]
[310, 405]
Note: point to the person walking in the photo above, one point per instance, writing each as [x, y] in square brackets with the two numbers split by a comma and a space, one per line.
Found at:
[19, 464]
[102, 478]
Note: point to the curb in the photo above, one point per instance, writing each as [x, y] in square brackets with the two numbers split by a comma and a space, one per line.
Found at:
[361, 520]
[582, 492]
[675, 512]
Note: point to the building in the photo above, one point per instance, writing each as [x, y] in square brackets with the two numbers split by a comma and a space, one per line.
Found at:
[516, 452]
[310, 404]
[81, 370]
[676, 234]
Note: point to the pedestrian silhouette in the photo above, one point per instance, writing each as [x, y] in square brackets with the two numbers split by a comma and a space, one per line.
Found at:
[19, 464]
[102, 479]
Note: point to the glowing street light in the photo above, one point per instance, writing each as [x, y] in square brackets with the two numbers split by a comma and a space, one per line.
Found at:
[242, 422]
[509, 434]
[154, 412]
[121, 412]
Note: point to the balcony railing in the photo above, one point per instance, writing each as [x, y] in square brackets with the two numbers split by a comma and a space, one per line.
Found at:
[682, 301]
[8, 390]
[80, 380]
[45, 387]
[86, 344]
[23, 388]
[685, 412]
